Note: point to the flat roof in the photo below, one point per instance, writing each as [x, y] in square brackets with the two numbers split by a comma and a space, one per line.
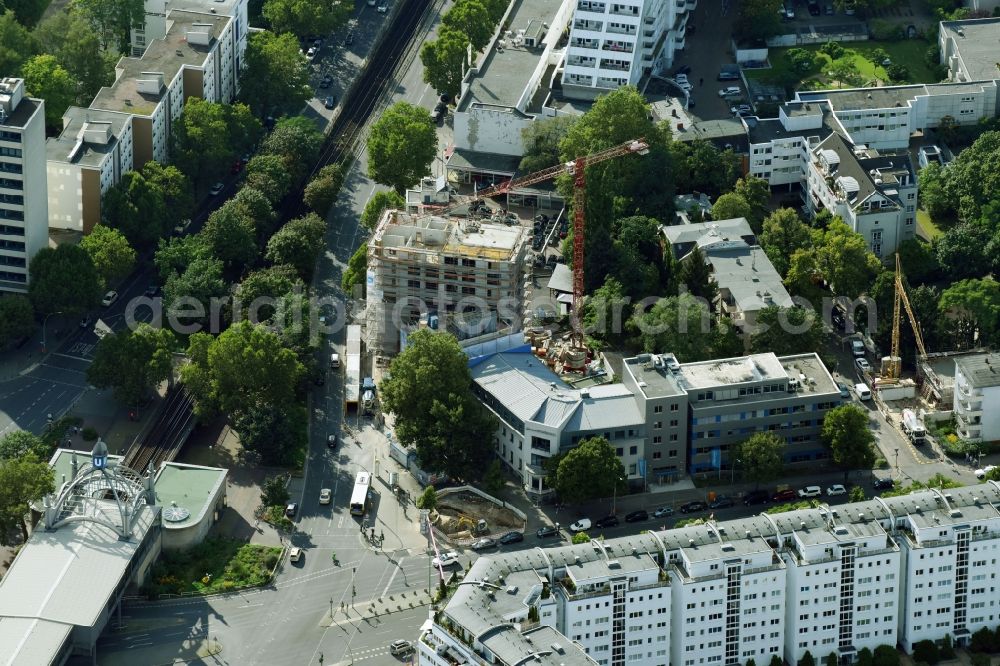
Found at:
[561, 279]
[712, 130]
[190, 487]
[728, 371]
[471, 160]
[29, 640]
[684, 236]
[766, 130]
[653, 382]
[818, 377]
[61, 148]
[504, 74]
[414, 233]
[983, 370]
[858, 99]
[166, 56]
[61, 463]
[748, 275]
[22, 113]
[976, 45]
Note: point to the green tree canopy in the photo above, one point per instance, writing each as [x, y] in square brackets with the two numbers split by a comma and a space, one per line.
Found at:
[378, 204]
[786, 331]
[757, 193]
[682, 325]
[274, 492]
[110, 252]
[588, 471]
[846, 433]
[322, 190]
[112, 20]
[69, 37]
[231, 237]
[973, 305]
[199, 282]
[296, 140]
[174, 255]
[50, 290]
[701, 166]
[354, 277]
[272, 435]
[263, 285]
[427, 499]
[17, 318]
[541, 139]
[783, 233]
[22, 481]
[176, 190]
[268, 175]
[256, 207]
[133, 362]
[45, 78]
[445, 60]
[961, 250]
[136, 207]
[209, 137]
[731, 205]
[275, 78]
[306, 18]
[918, 260]
[401, 146]
[838, 256]
[695, 275]
[298, 243]
[471, 18]
[19, 443]
[16, 44]
[760, 458]
[430, 393]
[757, 20]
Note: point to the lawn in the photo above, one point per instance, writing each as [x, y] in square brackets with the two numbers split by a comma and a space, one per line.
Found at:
[909, 53]
[924, 222]
[216, 565]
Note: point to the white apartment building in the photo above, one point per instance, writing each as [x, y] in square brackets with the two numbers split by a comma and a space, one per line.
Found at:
[446, 266]
[155, 23]
[23, 214]
[968, 47]
[977, 397]
[613, 43]
[827, 580]
[876, 195]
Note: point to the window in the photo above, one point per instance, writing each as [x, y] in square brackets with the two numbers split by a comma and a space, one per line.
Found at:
[658, 409]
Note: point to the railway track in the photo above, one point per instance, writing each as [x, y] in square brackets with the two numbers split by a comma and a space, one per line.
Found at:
[162, 441]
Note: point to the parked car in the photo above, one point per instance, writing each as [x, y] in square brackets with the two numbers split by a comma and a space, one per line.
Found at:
[546, 531]
[331, 441]
[721, 503]
[810, 491]
[85, 321]
[845, 394]
[981, 473]
[325, 495]
[511, 537]
[742, 108]
[828, 9]
[731, 90]
[400, 647]
[383, 9]
[692, 507]
[152, 290]
[663, 511]
[330, 102]
[446, 559]
[884, 484]
[580, 525]
[291, 509]
[349, 39]
[326, 81]
[294, 555]
[682, 70]
[607, 521]
[637, 516]
[836, 489]
[216, 189]
[814, 9]
[863, 364]
[484, 543]
[109, 298]
[783, 495]
[756, 497]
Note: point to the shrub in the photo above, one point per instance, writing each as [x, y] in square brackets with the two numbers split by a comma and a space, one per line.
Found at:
[581, 537]
[802, 61]
[864, 657]
[947, 649]
[89, 434]
[807, 659]
[884, 31]
[927, 652]
[979, 659]
[885, 655]
[776, 661]
[832, 49]
[983, 641]
[897, 72]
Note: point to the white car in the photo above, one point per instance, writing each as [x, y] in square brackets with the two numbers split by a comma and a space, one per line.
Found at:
[810, 491]
[836, 489]
[731, 90]
[863, 364]
[681, 78]
[109, 298]
[581, 525]
[981, 473]
[446, 559]
[383, 9]
[295, 554]
[325, 496]
[663, 511]
[216, 189]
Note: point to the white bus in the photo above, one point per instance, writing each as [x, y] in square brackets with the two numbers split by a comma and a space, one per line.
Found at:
[359, 498]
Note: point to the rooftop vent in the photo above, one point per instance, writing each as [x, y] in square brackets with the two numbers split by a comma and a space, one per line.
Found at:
[802, 524]
[614, 564]
[691, 542]
[955, 513]
[558, 649]
[512, 589]
[576, 559]
[840, 530]
[748, 534]
[728, 547]
[584, 393]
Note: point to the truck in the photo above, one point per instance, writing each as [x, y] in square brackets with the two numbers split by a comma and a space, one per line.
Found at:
[913, 428]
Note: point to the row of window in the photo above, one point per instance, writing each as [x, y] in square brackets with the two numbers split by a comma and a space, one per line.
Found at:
[6, 135]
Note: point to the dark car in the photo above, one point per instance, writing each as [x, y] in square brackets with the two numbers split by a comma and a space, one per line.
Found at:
[291, 510]
[784, 495]
[814, 9]
[884, 484]
[607, 521]
[331, 441]
[691, 507]
[721, 503]
[152, 290]
[445, 97]
[756, 497]
[330, 102]
[636, 516]
[512, 537]
[547, 531]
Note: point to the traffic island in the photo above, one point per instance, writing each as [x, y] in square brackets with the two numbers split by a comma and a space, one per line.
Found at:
[370, 611]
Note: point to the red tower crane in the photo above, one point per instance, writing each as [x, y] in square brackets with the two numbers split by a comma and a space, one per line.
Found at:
[576, 168]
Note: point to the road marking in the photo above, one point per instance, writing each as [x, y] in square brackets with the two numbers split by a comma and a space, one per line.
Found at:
[395, 570]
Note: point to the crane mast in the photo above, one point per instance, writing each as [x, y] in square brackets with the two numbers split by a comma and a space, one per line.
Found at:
[893, 368]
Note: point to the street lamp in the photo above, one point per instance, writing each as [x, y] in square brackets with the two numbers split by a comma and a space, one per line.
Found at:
[897, 461]
[732, 477]
[44, 322]
[614, 496]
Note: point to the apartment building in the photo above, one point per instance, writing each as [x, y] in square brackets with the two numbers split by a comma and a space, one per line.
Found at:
[130, 122]
[421, 264]
[665, 419]
[875, 194]
[155, 23]
[968, 47]
[23, 214]
[827, 580]
[977, 397]
[613, 43]
[779, 148]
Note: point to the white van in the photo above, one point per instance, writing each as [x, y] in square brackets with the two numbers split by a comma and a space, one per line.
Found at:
[864, 393]
[400, 646]
[295, 554]
[858, 348]
[335, 360]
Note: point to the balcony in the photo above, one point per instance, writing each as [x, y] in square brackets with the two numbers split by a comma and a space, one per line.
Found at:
[614, 67]
[598, 7]
[968, 419]
[584, 24]
[622, 29]
[581, 43]
[624, 10]
[577, 61]
[617, 48]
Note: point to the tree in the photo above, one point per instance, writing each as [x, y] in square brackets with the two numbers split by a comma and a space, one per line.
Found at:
[540, 139]
[429, 391]
[605, 313]
[787, 331]
[174, 255]
[22, 481]
[176, 190]
[322, 190]
[272, 434]
[580, 538]
[112, 19]
[886, 655]
[231, 237]
[864, 654]
[731, 205]
[50, 290]
[704, 168]
[961, 251]
[17, 319]
[306, 18]
[256, 207]
[45, 78]
[401, 146]
[840, 257]
[19, 443]
[757, 20]
[973, 305]
[298, 243]
[68, 36]
[444, 60]
[200, 282]
[261, 287]
[751, 662]
[757, 193]
[918, 260]
[638, 256]
[857, 494]
[845, 71]
[298, 141]
[933, 195]
[807, 659]
[974, 176]
[982, 641]
[16, 45]
[696, 276]
[681, 324]
[110, 253]
[783, 232]
[472, 19]
[275, 77]
[493, 480]
[776, 661]
[356, 273]
[132, 362]
[209, 137]
[801, 60]
[877, 57]
[137, 207]
[760, 458]
[427, 499]
[926, 651]
[831, 659]
[268, 175]
[274, 492]
[378, 204]
[590, 470]
[846, 433]
[245, 367]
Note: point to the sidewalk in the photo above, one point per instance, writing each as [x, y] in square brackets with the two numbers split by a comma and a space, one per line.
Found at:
[99, 410]
[377, 608]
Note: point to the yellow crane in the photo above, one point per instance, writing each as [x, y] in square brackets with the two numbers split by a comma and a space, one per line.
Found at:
[891, 366]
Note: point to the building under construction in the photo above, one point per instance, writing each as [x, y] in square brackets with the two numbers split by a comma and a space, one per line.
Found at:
[429, 264]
